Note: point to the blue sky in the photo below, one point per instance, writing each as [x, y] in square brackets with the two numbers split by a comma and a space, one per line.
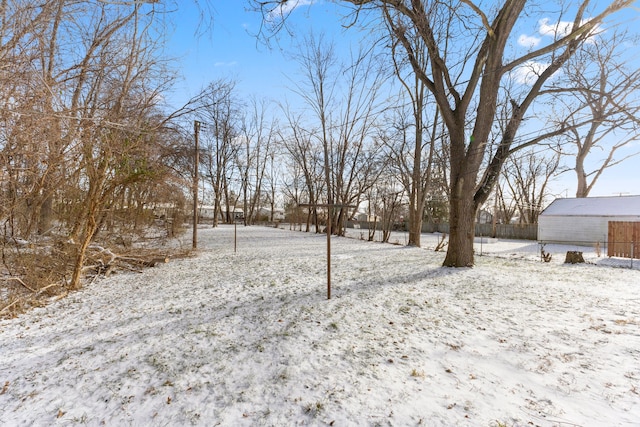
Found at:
[231, 50]
[226, 50]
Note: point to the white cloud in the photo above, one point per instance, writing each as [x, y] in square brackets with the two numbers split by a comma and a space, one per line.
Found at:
[225, 64]
[528, 41]
[555, 30]
[286, 7]
[563, 28]
[558, 29]
[528, 72]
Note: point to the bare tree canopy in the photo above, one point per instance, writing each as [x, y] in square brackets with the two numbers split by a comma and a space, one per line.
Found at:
[471, 54]
[597, 101]
[83, 134]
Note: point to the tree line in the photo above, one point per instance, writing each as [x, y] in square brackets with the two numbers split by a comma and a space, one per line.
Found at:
[433, 117]
[486, 78]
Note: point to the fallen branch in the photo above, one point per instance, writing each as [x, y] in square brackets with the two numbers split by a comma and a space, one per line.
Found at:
[103, 262]
[60, 296]
[41, 290]
[441, 244]
[10, 305]
[19, 280]
[145, 262]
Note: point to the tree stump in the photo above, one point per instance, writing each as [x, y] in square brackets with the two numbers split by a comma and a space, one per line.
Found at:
[574, 257]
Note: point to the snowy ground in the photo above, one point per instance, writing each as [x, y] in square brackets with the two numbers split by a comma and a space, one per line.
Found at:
[249, 338]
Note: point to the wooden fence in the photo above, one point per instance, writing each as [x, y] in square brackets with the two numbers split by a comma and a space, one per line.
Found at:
[501, 231]
[624, 239]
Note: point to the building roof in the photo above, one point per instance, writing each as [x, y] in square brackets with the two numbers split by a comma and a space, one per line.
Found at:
[595, 206]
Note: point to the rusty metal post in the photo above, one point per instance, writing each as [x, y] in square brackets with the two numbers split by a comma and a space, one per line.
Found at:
[330, 207]
[196, 178]
[328, 230]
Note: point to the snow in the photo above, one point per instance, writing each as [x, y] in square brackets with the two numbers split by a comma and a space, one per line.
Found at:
[618, 206]
[249, 338]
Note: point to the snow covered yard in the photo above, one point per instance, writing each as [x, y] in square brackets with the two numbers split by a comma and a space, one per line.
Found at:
[249, 338]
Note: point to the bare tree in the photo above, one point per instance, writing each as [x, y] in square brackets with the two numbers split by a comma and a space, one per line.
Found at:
[274, 178]
[317, 60]
[357, 160]
[468, 58]
[505, 206]
[220, 112]
[599, 91]
[33, 131]
[344, 100]
[258, 133]
[385, 199]
[413, 152]
[527, 176]
[294, 195]
[412, 147]
[117, 122]
[81, 83]
[306, 165]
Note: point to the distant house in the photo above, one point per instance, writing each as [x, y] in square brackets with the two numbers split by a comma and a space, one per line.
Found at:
[205, 212]
[484, 217]
[585, 221]
[278, 214]
[363, 217]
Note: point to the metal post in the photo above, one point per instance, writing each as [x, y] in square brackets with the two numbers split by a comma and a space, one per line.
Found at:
[328, 230]
[196, 162]
[632, 255]
[330, 207]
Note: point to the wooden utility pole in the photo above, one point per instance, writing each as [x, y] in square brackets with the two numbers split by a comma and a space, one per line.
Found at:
[196, 178]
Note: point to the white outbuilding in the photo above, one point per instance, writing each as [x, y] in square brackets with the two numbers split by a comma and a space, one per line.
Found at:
[585, 221]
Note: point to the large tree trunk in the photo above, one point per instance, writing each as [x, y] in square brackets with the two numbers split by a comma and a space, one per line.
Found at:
[76, 277]
[415, 226]
[461, 225]
[416, 202]
[464, 161]
[416, 212]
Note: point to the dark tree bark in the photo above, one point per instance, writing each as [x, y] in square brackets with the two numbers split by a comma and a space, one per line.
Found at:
[467, 64]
